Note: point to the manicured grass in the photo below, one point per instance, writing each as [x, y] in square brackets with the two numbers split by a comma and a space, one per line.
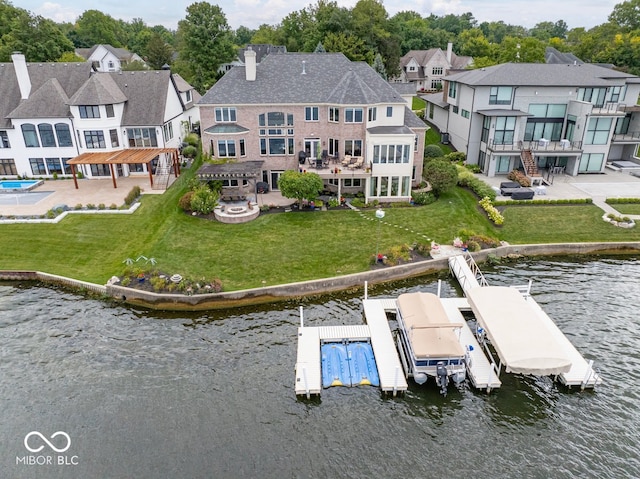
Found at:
[627, 209]
[418, 104]
[275, 248]
[432, 137]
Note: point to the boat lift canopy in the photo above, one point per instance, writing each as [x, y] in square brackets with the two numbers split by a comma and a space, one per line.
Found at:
[430, 331]
[521, 339]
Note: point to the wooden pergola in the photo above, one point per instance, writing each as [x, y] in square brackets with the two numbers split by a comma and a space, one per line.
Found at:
[122, 157]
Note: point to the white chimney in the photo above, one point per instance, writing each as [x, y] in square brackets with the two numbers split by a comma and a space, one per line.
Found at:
[22, 74]
[250, 64]
[449, 50]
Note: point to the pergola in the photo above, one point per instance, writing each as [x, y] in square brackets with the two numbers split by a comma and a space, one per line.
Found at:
[120, 157]
[245, 170]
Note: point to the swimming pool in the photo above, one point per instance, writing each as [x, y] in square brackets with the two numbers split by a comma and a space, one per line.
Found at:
[12, 186]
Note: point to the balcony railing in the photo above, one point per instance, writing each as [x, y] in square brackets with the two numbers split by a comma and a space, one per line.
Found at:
[630, 136]
[541, 145]
[609, 108]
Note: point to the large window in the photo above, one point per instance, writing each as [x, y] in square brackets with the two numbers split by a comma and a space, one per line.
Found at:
[310, 113]
[46, 135]
[94, 139]
[373, 113]
[168, 131]
[243, 151]
[436, 71]
[225, 114]
[110, 112]
[114, 138]
[8, 166]
[30, 136]
[486, 124]
[54, 165]
[391, 153]
[591, 163]
[546, 121]
[37, 166]
[334, 146]
[226, 148]
[89, 111]
[500, 95]
[277, 137]
[505, 130]
[598, 131]
[594, 96]
[353, 147]
[353, 115]
[64, 135]
[142, 137]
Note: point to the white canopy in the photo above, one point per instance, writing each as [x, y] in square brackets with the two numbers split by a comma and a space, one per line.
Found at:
[523, 342]
[429, 329]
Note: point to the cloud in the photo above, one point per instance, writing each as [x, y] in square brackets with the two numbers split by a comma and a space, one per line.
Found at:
[57, 12]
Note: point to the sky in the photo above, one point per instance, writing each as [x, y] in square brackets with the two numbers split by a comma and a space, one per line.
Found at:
[253, 13]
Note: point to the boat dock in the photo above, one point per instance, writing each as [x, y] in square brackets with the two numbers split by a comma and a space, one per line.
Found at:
[526, 340]
[308, 371]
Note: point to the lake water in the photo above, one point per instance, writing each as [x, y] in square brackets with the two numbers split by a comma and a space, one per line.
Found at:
[173, 395]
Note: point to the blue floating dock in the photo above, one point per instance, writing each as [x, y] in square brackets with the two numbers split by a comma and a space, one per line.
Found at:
[362, 365]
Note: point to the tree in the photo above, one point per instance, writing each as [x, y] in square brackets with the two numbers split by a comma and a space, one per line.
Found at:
[70, 57]
[378, 66]
[473, 43]
[351, 46]
[441, 174]
[300, 186]
[242, 36]
[94, 28]
[134, 66]
[159, 52]
[626, 15]
[521, 50]
[38, 38]
[206, 43]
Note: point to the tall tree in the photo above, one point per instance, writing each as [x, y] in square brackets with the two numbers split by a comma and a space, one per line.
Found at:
[242, 36]
[158, 51]
[626, 15]
[351, 46]
[521, 50]
[206, 43]
[38, 38]
[94, 27]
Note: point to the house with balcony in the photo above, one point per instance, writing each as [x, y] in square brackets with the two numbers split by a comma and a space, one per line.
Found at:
[315, 112]
[58, 116]
[540, 118]
[426, 69]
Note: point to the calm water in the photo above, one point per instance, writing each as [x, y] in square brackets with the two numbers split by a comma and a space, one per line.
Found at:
[143, 394]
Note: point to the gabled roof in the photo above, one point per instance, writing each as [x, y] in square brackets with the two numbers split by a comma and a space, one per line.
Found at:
[543, 74]
[422, 57]
[98, 90]
[48, 101]
[553, 55]
[262, 50]
[119, 53]
[70, 77]
[303, 78]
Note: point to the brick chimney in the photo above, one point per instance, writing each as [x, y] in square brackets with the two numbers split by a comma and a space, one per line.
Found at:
[250, 64]
[22, 74]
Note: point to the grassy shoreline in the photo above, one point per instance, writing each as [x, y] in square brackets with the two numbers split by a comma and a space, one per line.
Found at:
[276, 248]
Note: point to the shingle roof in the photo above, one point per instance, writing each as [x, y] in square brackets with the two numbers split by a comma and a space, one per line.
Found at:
[542, 74]
[70, 77]
[100, 89]
[146, 93]
[48, 101]
[553, 55]
[120, 53]
[327, 78]
[262, 50]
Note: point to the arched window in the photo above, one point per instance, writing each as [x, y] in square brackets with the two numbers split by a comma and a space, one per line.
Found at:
[30, 136]
[64, 135]
[46, 135]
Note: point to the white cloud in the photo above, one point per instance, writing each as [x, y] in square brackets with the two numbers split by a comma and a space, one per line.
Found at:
[57, 12]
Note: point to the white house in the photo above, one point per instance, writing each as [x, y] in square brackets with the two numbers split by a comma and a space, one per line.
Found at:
[539, 117]
[105, 58]
[54, 112]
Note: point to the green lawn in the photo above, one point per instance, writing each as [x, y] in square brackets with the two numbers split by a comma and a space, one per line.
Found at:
[627, 209]
[275, 248]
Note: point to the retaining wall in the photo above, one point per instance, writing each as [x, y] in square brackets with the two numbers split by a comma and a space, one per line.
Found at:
[316, 287]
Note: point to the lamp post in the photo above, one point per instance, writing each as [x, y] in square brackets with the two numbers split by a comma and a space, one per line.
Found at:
[379, 214]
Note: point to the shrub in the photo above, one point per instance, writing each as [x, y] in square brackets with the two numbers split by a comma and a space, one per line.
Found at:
[433, 151]
[467, 179]
[358, 203]
[113, 206]
[484, 241]
[441, 175]
[132, 196]
[333, 202]
[520, 177]
[51, 214]
[492, 211]
[423, 249]
[397, 254]
[423, 198]
[78, 207]
[456, 157]
[204, 200]
[189, 151]
[473, 246]
[102, 206]
[158, 283]
[91, 206]
[192, 140]
[185, 202]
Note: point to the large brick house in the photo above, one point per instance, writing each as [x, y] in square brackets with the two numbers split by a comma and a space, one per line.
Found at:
[316, 112]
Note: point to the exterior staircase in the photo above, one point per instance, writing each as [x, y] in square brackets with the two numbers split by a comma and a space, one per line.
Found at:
[162, 175]
[530, 167]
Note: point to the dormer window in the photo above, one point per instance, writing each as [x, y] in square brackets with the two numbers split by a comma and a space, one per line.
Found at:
[188, 95]
[89, 111]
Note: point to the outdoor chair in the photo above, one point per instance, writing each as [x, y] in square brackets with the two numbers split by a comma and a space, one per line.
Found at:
[347, 160]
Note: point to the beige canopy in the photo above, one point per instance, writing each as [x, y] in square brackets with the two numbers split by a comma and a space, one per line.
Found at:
[518, 334]
[428, 327]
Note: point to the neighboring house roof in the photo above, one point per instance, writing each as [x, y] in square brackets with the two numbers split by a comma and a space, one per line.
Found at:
[552, 55]
[120, 53]
[411, 119]
[183, 86]
[422, 57]
[70, 77]
[48, 101]
[303, 78]
[98, 90]
[436, 99]
[404, 88]
[542, 74]
[262, 50]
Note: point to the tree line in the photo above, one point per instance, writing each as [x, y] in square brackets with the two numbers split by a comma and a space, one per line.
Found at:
[203, 40]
